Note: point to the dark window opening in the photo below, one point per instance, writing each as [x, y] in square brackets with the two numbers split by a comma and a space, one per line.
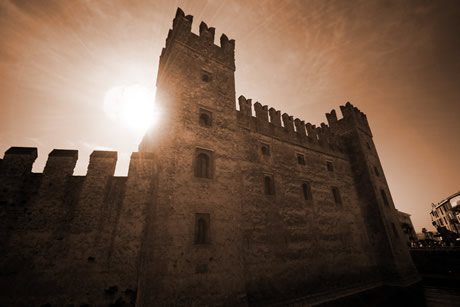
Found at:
[265, 149]
[330, 167]
[202, 228]
[202, 166]
[205, 119]
[202, 232]
[368, 146]
[206, 77]
[268, 185]
[394, 230]
[300, 159]
[376, 171]
[336, 194]
[306, 191]
[384, 197]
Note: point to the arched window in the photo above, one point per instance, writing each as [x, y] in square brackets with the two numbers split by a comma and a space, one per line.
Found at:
[384, 197]
[202, 166]
[202, 228]
[268, 186]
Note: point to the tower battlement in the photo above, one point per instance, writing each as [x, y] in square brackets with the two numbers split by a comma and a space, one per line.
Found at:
[271, 122]
[203, 43]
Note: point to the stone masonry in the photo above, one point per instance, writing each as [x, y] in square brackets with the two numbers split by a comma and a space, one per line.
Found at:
[219, 208]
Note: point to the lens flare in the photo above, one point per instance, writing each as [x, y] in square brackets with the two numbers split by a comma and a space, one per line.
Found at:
[133, 106]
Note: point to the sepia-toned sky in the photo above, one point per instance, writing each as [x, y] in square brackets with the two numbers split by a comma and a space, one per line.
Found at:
[398, 61]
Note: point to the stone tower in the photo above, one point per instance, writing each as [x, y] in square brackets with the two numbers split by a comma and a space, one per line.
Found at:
[195, 241]
[380, 215]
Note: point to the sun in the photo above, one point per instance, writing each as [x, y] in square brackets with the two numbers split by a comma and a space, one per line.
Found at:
[133, 106]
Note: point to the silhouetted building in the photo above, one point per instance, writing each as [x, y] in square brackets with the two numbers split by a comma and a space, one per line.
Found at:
[219, 207]
[408, 228]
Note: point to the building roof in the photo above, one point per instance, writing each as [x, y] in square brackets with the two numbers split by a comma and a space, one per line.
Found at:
[448, 199]
[403, 213]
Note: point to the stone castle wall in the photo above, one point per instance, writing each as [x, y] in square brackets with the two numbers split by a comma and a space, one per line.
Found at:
[71, 239]
[98, 238]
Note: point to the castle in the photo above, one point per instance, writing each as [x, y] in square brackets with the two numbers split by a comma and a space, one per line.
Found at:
[219, 208]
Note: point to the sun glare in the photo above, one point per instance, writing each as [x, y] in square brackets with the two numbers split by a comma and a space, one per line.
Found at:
[133, 106]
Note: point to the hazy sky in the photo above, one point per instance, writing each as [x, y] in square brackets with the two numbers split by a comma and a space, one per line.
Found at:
[398, 61]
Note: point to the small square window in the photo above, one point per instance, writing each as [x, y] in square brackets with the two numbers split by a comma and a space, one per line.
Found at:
[202, 228]
[206, 76]
[269, 186]
[330, 167]
[265, 149]
[205, 118]
[336, 194]
[301, 159]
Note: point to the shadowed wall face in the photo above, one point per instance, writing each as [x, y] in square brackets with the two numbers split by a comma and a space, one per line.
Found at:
[242, 173]
[213, 209]
[72, 239]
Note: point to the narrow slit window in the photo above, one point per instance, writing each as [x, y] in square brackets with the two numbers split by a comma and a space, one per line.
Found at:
[384, 197]
[376, 171]
[306, 189]
[330, 167]
[336, 194]
[202, 228]
[268, 185]
[395, 232]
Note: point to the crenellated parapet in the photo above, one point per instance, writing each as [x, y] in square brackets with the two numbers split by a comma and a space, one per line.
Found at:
[203, 43]
[61, 162]
[18, 161]
[59, 223]
[102, 163]
[271, 122]
[353, 118]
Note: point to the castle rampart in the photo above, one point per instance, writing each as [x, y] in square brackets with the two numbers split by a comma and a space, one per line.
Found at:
[270, 122]
[70, 230]
[219, 208]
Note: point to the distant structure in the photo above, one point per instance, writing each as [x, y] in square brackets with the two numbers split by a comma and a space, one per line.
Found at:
[408, 228]
[443, 216]
[219, 208]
